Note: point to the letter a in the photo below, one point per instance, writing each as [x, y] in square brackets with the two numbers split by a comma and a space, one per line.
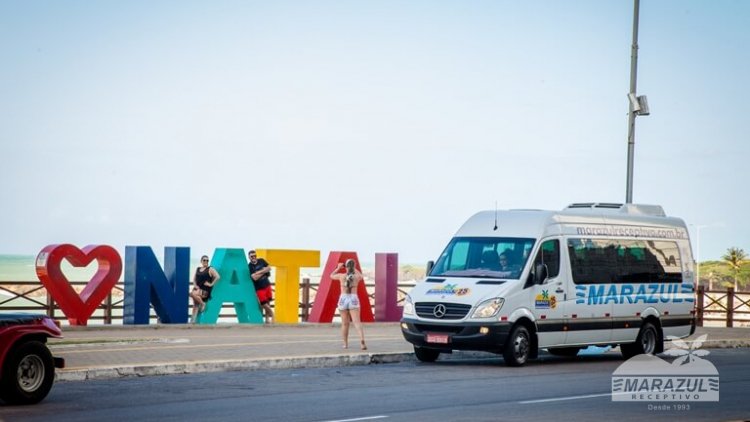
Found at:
[235, 286]
[329, 291]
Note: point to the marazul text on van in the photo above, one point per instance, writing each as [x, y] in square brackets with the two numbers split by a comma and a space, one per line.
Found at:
[601, 294]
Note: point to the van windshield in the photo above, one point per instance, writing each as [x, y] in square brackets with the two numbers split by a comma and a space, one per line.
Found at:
[492, 257]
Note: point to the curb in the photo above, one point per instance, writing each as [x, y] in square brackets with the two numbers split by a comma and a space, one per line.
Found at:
[723, 344]
[222, 326]
[362, 359]
[231, 365]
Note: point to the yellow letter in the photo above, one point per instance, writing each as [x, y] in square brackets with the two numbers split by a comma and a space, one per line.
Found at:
[287, 264]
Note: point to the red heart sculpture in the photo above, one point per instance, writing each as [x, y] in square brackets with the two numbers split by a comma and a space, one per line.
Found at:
[77, 308]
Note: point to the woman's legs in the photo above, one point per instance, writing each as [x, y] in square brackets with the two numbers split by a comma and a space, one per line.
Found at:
[198, 303]
[345, 326]
[358, 326]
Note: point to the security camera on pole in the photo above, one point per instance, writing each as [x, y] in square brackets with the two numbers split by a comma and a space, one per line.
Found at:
[638, 104]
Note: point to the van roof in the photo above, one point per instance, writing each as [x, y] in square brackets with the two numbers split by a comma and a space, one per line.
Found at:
[539, 223]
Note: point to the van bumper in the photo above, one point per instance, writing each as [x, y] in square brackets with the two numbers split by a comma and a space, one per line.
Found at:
[460, 336]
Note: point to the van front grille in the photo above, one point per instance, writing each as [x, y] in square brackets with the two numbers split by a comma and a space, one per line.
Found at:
[452, 310]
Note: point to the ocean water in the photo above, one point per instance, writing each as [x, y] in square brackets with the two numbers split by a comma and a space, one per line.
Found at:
[22, 268]
[17, 268]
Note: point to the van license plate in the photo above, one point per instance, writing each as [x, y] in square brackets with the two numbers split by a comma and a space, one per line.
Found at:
[437, 338]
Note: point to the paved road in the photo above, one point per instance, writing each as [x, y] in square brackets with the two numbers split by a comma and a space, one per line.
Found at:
[115, 351]
[456, 390]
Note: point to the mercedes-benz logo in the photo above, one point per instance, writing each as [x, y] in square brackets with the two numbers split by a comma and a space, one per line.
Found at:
[439, 310]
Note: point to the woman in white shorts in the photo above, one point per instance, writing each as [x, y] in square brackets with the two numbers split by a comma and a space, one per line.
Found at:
[348, 301]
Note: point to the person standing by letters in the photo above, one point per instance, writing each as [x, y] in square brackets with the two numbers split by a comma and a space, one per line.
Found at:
[205, 278]
[348, 301]
[260, 272]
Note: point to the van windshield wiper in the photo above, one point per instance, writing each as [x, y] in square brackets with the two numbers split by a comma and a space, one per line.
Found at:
[478, 273]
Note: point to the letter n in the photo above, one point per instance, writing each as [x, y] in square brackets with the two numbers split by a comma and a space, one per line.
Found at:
[326, 300]
[146, 283]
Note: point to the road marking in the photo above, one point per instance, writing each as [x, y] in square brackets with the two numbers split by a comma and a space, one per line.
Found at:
[366, 418]
[588, 396]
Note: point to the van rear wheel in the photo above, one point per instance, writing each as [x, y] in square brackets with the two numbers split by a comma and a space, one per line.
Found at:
[518, 349]
[647, 342]
[426, 355]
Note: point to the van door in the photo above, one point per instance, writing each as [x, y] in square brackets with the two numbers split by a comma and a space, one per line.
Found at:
[548, 296]
[592, 267]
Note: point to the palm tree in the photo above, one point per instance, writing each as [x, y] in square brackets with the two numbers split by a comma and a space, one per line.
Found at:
[734, 258]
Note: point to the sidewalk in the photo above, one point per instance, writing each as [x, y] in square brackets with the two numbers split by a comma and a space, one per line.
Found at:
[100, 352]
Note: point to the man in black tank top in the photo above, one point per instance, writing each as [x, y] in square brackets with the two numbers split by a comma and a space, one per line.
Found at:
[260, 272]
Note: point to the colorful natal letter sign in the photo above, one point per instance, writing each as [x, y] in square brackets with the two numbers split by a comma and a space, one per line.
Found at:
[234, 286]
[146, 284]
[327, 298]
[287, 263]
[386, 288]
[78, 308]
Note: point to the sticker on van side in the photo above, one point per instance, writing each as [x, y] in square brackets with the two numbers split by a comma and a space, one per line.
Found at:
[544, 301]
[449, 289]
[602, 294]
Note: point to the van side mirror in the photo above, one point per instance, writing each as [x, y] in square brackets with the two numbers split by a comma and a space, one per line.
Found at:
[430, 264]
[540, 273]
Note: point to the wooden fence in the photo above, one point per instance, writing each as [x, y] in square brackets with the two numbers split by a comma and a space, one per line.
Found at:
[31, 296]
[723, 306]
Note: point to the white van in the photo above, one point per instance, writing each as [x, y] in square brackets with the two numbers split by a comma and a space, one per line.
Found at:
[513, 282]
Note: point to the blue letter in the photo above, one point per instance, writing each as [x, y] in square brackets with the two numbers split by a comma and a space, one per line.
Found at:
[627, 293]
[146, 283]
[611, 294]
[641, 294]
[595, 295]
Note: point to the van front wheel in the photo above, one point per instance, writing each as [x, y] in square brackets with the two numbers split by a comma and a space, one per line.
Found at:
[518, 348]
[646, 343]
[426, 355]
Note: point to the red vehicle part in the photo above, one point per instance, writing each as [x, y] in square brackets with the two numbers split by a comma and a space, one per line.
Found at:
[27, 368]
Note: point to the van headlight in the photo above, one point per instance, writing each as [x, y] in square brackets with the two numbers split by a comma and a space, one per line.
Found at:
[408, 306]
[488, 308]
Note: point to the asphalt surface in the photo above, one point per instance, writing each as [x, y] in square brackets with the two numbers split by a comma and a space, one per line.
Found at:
[101, 352]
[470, 389]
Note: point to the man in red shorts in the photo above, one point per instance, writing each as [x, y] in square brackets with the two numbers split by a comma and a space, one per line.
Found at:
[260, 272]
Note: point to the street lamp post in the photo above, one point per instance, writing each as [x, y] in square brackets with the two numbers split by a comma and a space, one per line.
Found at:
[638, 104]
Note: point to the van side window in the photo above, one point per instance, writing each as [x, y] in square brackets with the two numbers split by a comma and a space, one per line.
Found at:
[549, 255]
[602, 261]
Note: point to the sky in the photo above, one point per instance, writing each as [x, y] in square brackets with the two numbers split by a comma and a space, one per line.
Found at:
[372, 126]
